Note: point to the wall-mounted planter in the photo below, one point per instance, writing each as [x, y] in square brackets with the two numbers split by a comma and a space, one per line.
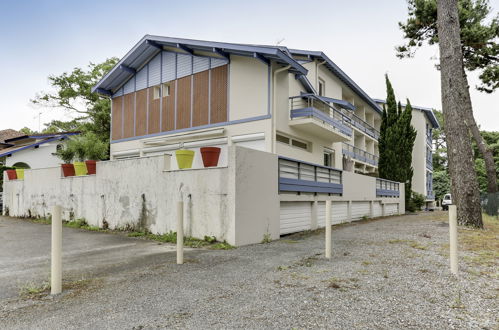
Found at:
[68, 170]
[210, 156]
[80, 168]
[20, 173]
[11, 174]
[91, 167]
[184, 158]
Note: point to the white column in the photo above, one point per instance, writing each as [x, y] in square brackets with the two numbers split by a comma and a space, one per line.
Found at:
[453, 238]
[56, 259]
[328, 228]
[180, 232]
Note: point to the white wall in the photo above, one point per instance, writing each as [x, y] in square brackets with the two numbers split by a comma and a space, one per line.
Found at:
[138, 193]
[40, 157]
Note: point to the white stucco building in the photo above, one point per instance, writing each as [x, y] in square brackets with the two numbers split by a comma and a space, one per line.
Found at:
[33, 151]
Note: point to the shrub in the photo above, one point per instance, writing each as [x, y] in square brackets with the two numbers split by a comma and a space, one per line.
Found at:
[416, 202]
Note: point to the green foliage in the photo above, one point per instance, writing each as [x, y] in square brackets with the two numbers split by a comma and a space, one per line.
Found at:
[77, 145]
[95, 149]
[441, 183]
[26, 131]
[396, 141]
[416, 202]
[83, 147]
[479, 36]
[73, 94]
[65, 153]
[171, 237]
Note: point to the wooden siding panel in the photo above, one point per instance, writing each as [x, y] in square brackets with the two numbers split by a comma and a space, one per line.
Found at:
[168, 120]
[154, 118]
[128, 120]
[219, 94]
[184, 102]
[141, 113]
[117, 118]
[201, 89]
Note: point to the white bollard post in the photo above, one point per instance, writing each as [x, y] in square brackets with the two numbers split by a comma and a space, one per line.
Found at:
[328, 229]
[56, 260]
[453, 238]
[180, 233]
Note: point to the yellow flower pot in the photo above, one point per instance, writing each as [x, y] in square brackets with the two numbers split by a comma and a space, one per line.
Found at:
[80, 168]
[184, 158]
[20, 173]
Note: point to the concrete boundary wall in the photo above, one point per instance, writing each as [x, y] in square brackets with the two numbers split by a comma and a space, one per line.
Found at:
[138, 194]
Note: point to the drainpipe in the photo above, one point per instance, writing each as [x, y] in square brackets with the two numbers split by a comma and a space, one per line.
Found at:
[274, 106]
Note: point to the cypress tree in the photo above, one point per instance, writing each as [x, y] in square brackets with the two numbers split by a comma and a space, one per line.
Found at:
[396, 142]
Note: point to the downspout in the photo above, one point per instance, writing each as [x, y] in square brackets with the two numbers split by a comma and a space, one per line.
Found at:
[274, 106]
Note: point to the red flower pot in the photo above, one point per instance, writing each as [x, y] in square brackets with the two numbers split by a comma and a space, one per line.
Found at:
[11, 174]
[210, 156]
[90, 166]
[68, 170]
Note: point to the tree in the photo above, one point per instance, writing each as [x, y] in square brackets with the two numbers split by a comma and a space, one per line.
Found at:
[460, 156]
[73, 94]
[441, 184]
[396, 142]
[480, 51]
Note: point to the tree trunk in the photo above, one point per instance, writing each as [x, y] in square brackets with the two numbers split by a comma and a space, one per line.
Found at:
[465, 193]
[484, 149]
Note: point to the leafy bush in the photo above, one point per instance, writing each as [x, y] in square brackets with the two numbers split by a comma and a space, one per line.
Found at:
[65, 153]
[83, 147]
[416, 202]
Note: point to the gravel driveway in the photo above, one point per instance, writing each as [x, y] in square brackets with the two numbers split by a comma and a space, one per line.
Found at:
[387, 273]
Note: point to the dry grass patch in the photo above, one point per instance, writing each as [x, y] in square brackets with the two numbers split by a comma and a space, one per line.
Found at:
[484, 244]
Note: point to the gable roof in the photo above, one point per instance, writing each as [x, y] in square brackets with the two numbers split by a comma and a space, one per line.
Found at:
[339, 73]
[427, 111]
[39, 140]
[149, 46]
[7, 134]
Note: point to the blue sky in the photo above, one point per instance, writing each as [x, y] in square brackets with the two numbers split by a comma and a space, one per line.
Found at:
[40, 38]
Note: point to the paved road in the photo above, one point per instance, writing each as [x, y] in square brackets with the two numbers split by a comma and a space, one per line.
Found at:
[25, 254]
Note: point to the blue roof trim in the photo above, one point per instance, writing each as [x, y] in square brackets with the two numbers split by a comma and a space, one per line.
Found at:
[428, 112]
[34, 136]
[60, 137]
[150, 45]
[340, 74]
[341, 103]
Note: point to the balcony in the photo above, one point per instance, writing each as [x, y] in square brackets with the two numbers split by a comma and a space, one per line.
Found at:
[318, 118]
[298, 176]
[429, 164]
[364, 127]
[360, 155]
[387, 188]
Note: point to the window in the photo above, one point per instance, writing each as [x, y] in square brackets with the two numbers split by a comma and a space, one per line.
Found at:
[282, 139]
[166, 89]
[322, 86]
[299, 144]
[292, 142]
[329, 157]
[156, 92]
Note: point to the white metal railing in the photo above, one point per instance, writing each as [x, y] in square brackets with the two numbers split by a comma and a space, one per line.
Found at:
[360, 154]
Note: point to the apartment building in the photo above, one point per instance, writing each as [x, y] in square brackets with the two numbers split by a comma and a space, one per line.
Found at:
[424, 121]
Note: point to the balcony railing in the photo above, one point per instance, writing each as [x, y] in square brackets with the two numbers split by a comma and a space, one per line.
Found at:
[387, 188]
[364, 127]
[429, 163]
[360, 154]
[298, 176]
[429, 138]
[311, 106]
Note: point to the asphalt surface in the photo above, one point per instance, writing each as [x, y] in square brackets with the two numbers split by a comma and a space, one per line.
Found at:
[390, 273]
[25, 254]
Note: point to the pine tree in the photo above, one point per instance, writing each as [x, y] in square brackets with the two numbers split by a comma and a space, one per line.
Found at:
[396, 142]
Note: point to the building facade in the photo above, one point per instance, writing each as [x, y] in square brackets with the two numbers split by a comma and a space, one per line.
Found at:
[423, 121]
